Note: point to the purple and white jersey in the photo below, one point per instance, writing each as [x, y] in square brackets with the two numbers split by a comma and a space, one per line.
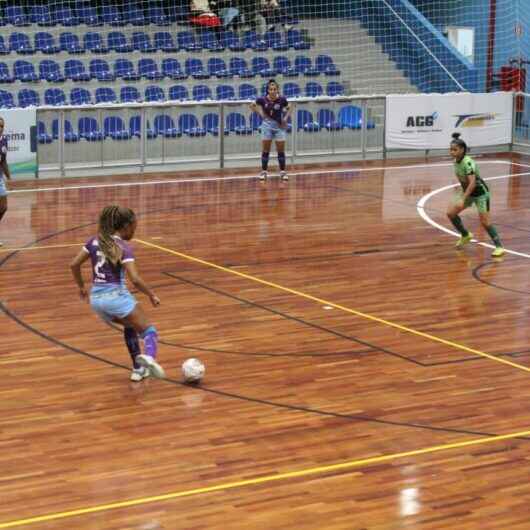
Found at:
[273, 110]
[104, 272]
[3, 152]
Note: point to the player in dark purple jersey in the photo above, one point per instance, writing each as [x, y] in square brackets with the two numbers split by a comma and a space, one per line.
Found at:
[112, 258]
[275, 111]
[4, 171]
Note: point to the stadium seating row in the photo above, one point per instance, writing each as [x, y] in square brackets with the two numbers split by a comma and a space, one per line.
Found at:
[114, 127]
[131, 94]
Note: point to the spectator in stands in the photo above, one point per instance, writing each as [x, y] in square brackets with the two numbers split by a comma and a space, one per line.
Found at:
[275, 111]
[202, 14]
[4, 171]
[274, 14]
[249, 11]
[225, 10]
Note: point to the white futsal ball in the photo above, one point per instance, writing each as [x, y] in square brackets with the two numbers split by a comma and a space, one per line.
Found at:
[193, 370]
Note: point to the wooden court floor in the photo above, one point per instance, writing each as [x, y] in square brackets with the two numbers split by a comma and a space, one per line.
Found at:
[361, 372]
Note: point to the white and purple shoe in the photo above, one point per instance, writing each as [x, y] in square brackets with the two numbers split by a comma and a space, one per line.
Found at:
[154, 368]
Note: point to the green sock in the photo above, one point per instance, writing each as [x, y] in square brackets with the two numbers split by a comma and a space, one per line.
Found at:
[457, 223]
[494, 236]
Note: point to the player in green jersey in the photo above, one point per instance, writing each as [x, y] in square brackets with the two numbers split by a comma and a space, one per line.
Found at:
[474, 191]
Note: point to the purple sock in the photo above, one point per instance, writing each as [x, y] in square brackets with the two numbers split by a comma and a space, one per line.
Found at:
[150, 337]
[133, 344]
[281, 161]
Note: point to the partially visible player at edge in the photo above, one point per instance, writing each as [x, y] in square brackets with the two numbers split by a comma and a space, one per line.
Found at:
[4, 171]
[474, 191]
[111, 258]
[275, 111]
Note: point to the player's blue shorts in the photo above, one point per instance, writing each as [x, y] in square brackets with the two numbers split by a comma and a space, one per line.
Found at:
[3, 188]
[110, 301]
[270, 130]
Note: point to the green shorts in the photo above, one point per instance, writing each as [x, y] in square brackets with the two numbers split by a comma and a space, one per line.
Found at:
[482, 202]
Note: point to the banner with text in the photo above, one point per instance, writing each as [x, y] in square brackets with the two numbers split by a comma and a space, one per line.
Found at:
[426, 121]
[20, 129]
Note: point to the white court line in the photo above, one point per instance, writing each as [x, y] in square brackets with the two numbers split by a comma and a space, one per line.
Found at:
[239, 177]
[420, 206]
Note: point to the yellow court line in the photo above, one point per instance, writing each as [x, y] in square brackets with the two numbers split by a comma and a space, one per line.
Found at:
[367, 316]
[5, 250]
[261, 480]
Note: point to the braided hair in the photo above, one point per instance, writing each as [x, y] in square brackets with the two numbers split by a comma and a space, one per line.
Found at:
[458, 141]
[112, 219]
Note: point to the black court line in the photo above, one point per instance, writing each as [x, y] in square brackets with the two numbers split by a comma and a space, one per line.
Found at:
[476, 274]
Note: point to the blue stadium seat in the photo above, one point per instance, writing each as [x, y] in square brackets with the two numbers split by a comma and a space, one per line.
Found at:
[189, 125]
[24, 71]
[255, 121]
[135, 127]
[114, 127]
[157, 15]
[6, 100]
[201, 92]
[134, 14]
[117, 41]
[75, 70]
[50, 71]
[148, 69]
[334, 89]
[16, 16]
[69, 42]
[239, 67]
[129, 94]
[186, 41]
[41, 16]
[54, 96]
[313, 89]
[247, 91]
[209, 41]
[111, 15]
[292, 90]
[100, 70]
[164, 42]
[351, 117]
[165, 126]
[261, 66]
[42, 136]
[282, 65]
[20, 43]
[28, 98]
[87, 14]
[4, 50]
[80, 96]
[124, 69]
[275, 41]
[45, 43]
[178, 93]
[89, 129]
[171, 68]
[296, 41]
[195, 68]
[179, 13]
[306, 121]
[225, 92]
[326, 120]
[5, 76]
[253, 41]
[142, 42]
[65, 17]
[230, 40]
[70, 135]
[94, 43]
[217, 68]
[236, 123]
[154, 93]
[302, 64]
[210, 123]
[325, 65]
[105, 95]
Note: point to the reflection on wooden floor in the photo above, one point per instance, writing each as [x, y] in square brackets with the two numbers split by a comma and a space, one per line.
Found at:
[342, 336]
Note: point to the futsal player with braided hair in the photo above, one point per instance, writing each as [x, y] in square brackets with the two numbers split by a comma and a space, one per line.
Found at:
[275, 111]
[112, 259]
[474, 191]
